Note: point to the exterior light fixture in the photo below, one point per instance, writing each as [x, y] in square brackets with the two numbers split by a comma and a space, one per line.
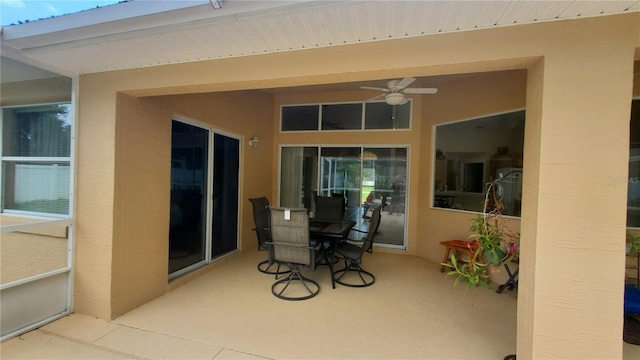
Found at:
[254, 141]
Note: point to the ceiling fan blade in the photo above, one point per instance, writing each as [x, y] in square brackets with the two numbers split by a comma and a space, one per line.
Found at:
[376, 97]
[374, 88]
[420, 91]
[405, 82]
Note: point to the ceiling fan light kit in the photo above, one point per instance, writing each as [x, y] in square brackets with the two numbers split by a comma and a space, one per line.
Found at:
[395, 99]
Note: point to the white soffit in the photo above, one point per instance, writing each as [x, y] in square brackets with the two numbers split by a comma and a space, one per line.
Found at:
[197, 31]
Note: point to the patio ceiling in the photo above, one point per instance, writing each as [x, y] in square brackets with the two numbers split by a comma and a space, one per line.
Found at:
[137, 34]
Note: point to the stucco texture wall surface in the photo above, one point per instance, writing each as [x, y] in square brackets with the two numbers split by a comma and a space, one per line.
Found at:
[577, 90]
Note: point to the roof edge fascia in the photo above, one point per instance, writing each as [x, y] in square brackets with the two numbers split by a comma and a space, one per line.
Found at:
[91, 17]
[92, 25]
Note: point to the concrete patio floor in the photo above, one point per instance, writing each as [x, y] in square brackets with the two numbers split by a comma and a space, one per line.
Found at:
[411, 312]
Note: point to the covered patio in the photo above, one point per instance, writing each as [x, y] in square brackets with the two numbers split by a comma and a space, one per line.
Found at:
[128, 76]
[411, 312]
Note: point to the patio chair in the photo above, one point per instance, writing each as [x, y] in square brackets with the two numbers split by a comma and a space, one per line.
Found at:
[261, 221]
[352, 256]
[290, 243]
[363, 237]
[329, 208]
[371, 203]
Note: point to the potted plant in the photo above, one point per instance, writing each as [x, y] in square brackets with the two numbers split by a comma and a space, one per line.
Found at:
[633, 243]
[633, 251]
[496, 243]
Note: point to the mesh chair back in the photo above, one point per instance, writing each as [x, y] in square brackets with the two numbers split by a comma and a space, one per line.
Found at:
[290, 235]
[261, 220]
[373, 229]
[329, 208]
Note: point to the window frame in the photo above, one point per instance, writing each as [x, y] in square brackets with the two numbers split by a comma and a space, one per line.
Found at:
[362, 120]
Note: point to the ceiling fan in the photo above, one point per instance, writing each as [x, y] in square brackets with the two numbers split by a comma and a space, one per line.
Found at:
[396, 89]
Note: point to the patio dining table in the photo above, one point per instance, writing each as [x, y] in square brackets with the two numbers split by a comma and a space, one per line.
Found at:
[332, 231]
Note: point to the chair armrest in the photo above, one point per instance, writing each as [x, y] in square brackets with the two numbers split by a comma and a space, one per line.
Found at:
[293, 245]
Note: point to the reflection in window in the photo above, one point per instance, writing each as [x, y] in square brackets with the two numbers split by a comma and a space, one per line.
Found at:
[36, 158]
[470, 153]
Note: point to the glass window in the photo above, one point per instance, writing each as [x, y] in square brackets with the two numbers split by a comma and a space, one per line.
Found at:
[296, 118]
[36, 158]
[471, 153]
[349, 116]
[633, 198]
[298, 176]
[342, 117]
[36, 131]
[380, 115]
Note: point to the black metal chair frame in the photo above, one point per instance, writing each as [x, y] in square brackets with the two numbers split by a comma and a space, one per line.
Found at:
[512, 282]
[352, 256]
[285, 250]
[377, 227]
[261, 221]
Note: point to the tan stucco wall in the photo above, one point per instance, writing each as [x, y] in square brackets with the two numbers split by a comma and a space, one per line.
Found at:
[142, 178]
[457, 99]
[578, 94]
[41, 91]
[466, 98]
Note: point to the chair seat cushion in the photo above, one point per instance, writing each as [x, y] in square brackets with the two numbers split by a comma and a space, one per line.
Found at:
[348, 250]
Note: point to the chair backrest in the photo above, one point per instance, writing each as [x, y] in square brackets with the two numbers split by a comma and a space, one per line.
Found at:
[329, 208]
[290, 235]
[373, 229]
[261, 220]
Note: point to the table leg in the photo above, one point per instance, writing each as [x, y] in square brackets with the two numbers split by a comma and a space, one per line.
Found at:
[512, 283]
[446, 258]
[333, 280]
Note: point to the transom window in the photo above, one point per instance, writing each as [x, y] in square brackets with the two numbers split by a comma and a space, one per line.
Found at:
[345, 116]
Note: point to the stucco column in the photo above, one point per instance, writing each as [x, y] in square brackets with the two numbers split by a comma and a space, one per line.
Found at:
[574, 215]
[94, 198]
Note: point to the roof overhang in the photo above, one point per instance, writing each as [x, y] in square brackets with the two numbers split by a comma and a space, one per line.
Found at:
[142, 33]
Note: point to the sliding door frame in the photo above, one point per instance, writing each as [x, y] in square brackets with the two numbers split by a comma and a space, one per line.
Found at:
[362, 149]
[208, 258]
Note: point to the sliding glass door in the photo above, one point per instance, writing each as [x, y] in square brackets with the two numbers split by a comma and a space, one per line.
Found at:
[366, 176]
[226, 167]
[340, 169]
[385, 185]
[204, 166]
[189, 180]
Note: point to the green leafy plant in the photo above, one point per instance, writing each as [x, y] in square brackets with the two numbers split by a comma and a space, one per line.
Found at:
[496, 243]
